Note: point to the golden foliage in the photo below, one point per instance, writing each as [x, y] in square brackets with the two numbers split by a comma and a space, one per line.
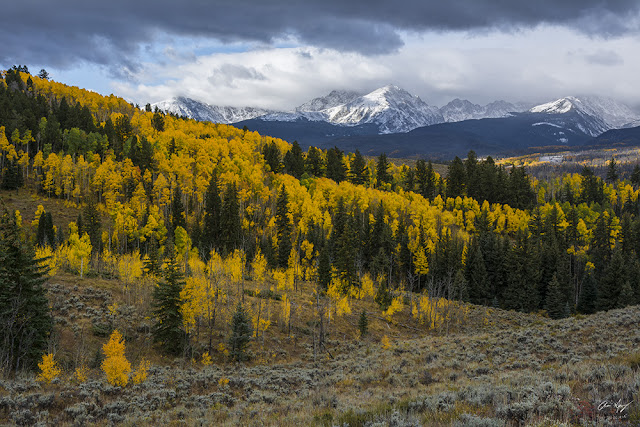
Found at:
[49, 369]
[115, 365]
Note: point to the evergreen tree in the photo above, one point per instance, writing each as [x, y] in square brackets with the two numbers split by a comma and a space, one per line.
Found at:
[293, 161]
[324, 269]
[153, 262]
[230, 220]
[314, 164]
[626, 296]
[271, 154]
[240, 335]
[587, 301]
[24, 308]
[45, 234]
[460, 289]
[382, 170]
[635, 175]
[555, 301]
[358, 170]
[613, 277]
[456, 178]
[476, 275]
[363, 324]
[211, 229]
[157, 121]
[383, 297]
[177, 210]
[168, 328]
[612, 171]
[11, 175]
[284, 228]
[409, 178]
[93, 225]
[336, 169]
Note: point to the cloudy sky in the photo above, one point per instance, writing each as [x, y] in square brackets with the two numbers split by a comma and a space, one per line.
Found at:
[280, 53]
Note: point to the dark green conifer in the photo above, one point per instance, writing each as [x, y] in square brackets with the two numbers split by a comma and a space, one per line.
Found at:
[336, 169]
[284, 228]
[241, 332]
[293, 161]
[588, 298]
[230, 220]
[363, 324]
[168, 329]
[555, 301]
[382, 170]
[24, 308]
[358, 171]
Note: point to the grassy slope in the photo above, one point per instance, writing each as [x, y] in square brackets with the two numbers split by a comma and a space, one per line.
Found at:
[515, 368]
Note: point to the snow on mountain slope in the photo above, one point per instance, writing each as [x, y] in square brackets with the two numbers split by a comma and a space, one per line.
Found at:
[598, 114]
[394, 110]
[461, 109]
[335, 98]
[204, 112]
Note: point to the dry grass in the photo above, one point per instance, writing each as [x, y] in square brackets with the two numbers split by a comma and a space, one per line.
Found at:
[514, 369]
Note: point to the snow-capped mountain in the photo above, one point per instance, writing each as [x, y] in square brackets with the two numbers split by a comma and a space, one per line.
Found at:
[334, 99]
[204, 112]
[592, 115]
[391, 108]
[461, 109]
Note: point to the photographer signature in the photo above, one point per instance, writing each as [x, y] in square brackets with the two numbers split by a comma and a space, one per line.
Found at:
[617, 406]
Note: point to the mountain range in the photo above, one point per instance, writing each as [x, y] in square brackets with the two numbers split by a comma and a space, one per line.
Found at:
[390, 119]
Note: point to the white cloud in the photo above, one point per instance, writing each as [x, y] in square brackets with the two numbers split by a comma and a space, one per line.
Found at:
[534, 65]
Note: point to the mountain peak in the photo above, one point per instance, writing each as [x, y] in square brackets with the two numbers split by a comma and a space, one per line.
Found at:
[605, 113]
[333, 99]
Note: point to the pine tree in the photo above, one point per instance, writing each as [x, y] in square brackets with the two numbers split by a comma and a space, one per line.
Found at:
[324, 269]
[93, 225]
[476, 275]
[293, 161]
[612, 279]
[24, 308]
[153, 264]
[382, 170]
[230, 221]
[241, 332]
[555, 301]
[336, 169]
[456, 178]
[363, 324]
[358, 170]
[211, 229]
[11, 175]
[587, 301]
[168, 329]
[460, 289]
[612, 171]
[314, 164]
[271, 154]
[626, 296]
[635, 175]
[177, 210]
[284, 228]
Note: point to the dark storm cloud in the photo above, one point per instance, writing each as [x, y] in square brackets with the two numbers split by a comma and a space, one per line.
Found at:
[111, 33]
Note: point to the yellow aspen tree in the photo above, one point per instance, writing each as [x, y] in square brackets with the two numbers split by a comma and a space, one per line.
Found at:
[142, 372]
[286, 312]
[79, 249]
[115, 365]
[49, 369]
[258, 267]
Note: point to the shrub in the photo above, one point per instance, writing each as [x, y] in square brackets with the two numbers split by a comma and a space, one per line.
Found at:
[49, 369]
[115, 365]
